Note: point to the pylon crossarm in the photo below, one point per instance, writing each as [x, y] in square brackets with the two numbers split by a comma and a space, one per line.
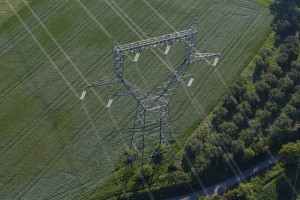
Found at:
[152, 131]
[104, 81]
[164, 40]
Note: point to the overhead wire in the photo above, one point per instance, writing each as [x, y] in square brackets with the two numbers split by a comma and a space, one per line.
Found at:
[52, 62]
[146, 36]
[228, 90]
[195, 174]
[110, 37]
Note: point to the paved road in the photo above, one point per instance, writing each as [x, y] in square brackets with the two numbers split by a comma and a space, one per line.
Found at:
[222, 186]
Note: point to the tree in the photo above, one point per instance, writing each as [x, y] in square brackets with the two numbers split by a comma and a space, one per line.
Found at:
[248, 154]
[246, 108]
[219, 116]
[281, 129]
[290, 153]
[286, 85]
[260, 66]
[237, 148]
[283, 60]
[229, 103]
[255, 124]
[211, 151]
[268, 192]
[192, 148]
[288, 52]
[290, 111]
[252, 98]
[262, 89]
[229, 128]
[238, 89]
[213, 197]
[264, 116]
[265, 53]
[294, 75]
[277, 96]
[238, 119]
[277, 71]
[226, 139]
[270, 79]
[227, 157]
[286, 18]
[248, 136]
[261, 146]
[283, 27]
[295, 101]
[245, 191]
[201, 164]
[177, 177]
[273, 108]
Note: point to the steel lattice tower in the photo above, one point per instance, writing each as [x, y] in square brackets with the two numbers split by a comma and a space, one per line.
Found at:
[152, 132]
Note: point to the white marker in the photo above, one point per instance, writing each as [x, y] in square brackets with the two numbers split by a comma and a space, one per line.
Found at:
[109, 103]
[215, 62]
[136, 57]
[190, 82]
[167, 50]
[83, 95]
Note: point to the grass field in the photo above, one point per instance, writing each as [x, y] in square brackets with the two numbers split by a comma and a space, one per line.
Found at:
[48, 148]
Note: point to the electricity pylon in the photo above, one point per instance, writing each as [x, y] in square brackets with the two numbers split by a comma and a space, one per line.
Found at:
[152, 132]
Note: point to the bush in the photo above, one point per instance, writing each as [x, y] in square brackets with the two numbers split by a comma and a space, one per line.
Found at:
[146, 172]
[175, 165]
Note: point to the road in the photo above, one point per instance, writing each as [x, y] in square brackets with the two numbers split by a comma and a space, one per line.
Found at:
[222, 186]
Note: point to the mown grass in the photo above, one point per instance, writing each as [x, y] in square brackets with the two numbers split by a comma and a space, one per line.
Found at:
[47, 146]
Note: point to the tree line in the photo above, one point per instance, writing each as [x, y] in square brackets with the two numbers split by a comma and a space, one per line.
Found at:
[261, 113]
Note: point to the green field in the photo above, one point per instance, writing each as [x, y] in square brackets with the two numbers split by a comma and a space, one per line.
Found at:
[48, 149]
